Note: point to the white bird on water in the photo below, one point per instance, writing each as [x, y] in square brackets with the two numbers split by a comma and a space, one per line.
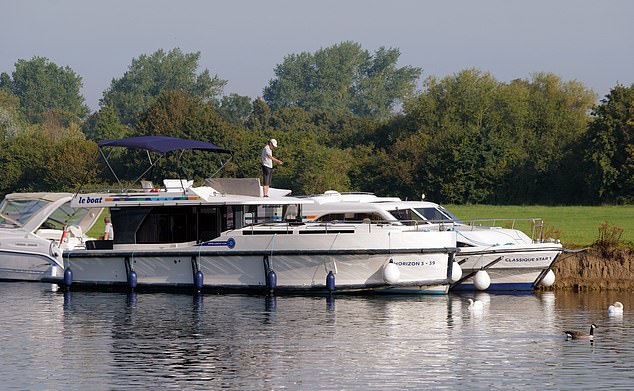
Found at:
[475, 305]
[616, 309]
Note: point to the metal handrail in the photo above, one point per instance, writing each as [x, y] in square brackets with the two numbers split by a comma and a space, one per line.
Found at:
[536, 225]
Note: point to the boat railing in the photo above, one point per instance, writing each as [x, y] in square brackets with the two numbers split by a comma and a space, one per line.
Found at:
[335, 226]
[131, 189]
[533, 227]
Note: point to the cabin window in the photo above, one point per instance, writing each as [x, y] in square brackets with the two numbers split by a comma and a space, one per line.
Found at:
[175, 224]
[436, 215]
[65, 215]
[166, 225]
[21, 211]
[208, 223]
[407, 216]
[350, 217]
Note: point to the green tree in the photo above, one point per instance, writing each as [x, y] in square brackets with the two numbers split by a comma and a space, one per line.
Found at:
[469, 138]
[10, 118]
[47, 160]
[43, 86]
[342, 79]
[235, 108]
[104, 124]
[180, 114]
[149, 76]
[556, 125]
[260, 115]
[610, 146]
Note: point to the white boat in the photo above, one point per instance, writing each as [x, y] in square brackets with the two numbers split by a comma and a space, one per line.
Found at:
[491, 258]
[35, 228]
[225, 236]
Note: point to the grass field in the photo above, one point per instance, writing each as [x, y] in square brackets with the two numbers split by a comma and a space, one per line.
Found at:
[575, 226]
[578, 226]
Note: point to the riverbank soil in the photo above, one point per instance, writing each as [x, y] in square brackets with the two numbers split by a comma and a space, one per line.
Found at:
[595, 269]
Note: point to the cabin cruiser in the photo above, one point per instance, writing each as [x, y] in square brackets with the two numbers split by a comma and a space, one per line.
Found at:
[224, 235]
[491, 258]
[35, 228]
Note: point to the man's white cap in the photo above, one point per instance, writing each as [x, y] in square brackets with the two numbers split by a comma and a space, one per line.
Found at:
[273, 142]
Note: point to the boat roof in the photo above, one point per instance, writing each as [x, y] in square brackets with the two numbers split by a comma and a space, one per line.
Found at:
[203, 195]
[365, 201]
[162, 144]
[51, 197]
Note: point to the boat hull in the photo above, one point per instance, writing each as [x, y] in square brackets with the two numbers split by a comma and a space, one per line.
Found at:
[354, 270]
[509, 269]
[25, 266]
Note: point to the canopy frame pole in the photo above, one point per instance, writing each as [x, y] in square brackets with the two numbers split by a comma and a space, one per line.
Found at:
[222, 165]
[151, 167]
[110, 167]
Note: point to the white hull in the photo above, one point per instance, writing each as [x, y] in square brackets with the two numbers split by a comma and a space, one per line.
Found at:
[33, 235]
[508, 268]
[357, 262]
[25, 266]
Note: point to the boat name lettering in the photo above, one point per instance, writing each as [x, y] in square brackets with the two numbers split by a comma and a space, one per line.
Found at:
[415, 263]
[90, 200]
[528, 259]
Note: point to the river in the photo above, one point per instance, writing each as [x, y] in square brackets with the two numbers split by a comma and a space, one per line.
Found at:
[113, 341]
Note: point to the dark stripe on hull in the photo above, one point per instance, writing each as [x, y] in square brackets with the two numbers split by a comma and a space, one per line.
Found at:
[318, 290]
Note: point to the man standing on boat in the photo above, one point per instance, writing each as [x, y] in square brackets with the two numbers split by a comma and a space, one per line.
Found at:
[267, 165]
[108, 231]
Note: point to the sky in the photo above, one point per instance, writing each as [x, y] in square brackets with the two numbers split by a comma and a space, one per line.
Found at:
[242, 41]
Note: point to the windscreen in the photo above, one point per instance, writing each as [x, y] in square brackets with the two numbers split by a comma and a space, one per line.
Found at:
[437, 215]
[407, 216]
[65, 215]
[18, 212]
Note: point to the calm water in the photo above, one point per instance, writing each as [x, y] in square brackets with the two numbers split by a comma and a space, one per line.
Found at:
[104, 341]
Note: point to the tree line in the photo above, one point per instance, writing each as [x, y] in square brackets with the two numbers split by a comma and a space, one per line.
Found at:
[345, 118]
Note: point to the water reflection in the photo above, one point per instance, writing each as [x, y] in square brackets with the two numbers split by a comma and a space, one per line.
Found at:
[132, 341]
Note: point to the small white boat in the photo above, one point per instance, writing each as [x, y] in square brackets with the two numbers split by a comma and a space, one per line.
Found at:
[35, 228]
[225, 236]
[491, 258]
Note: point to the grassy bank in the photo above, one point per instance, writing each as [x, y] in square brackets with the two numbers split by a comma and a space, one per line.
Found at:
[577, 226]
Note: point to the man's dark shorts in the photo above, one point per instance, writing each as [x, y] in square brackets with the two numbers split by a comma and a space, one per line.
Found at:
[267, 172]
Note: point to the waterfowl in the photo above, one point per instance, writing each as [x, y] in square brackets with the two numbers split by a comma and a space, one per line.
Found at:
[615, 309]
[578, 335]
[475, 305]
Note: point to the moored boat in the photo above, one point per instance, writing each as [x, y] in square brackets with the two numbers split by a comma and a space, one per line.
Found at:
[491, 257]
[225, 236]
[35, 228]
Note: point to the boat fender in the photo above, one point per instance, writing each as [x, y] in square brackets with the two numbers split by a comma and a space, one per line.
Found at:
[68, 277]
[198, 280]
[481, 280]
[271, 280]
[132, 279]
[330, 281]
[549, 279]
[456, 272]
[391, 274]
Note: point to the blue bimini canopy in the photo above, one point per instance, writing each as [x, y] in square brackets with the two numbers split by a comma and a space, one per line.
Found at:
[162, 144]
